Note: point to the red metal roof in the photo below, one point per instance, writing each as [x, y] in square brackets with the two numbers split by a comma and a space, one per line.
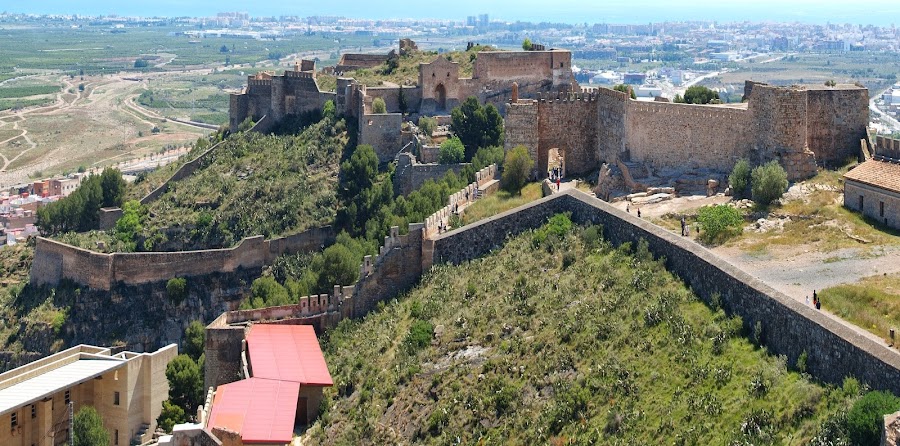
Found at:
[287, 353]
[260, 410]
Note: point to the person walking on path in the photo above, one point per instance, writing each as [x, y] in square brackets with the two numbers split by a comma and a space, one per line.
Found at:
[557, 183]
[639, 212]
[683, 225]
[819, 304]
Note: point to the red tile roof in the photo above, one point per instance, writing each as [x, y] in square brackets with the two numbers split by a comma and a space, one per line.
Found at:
[880, 174]
[260, 410]
[287, 353]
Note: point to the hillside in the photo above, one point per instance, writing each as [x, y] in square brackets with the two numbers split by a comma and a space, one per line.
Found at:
[251, 185]
[561, 340]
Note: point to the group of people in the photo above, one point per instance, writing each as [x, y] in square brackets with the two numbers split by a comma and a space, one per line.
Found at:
[556, 176]
[816, 302]
[628, 209]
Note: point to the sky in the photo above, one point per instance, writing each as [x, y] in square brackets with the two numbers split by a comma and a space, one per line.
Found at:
[876, 12]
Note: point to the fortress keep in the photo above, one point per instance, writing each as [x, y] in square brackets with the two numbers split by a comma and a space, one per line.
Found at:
[802, 127]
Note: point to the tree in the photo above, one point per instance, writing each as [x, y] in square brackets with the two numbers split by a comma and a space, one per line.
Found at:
[526, 44]
[739, 180]
[359, 172]
[378, 106]
[477, 126]
[516, 169]
[401, 101]
[452, 151]
[719, 222]
[88, 428]
[626, 89]
[699, 94]
[194, 340]
[328, 110]
[170, 416]
[266, 292]
[223, 49]
[342, 267]
[769, 182]
[176, 290]
[185, 383]
[131, 222]
[141, 63]
[866, 417]
[113, 186]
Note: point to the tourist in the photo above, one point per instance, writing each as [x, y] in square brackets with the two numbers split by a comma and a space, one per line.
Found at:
[639, 212]
[628, 208]
[557, 183]
[819, 304]
[683, 226]
[815, 295]
[815, 301]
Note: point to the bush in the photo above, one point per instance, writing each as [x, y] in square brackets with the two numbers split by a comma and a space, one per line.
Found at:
[557, 227]
[266, 292]
[487, 156]
[626, 89]
[194, 340]
[526, 44]
[341, 267]
[516, 170]
[428, 125]
[378, 106]
[170, 416]
[88, 428]
[419, 336]
[866, 417]
[739, 180]
[719, 222]
[176, 290]
[699, 94]
[452, 151]
[769, 182]
[141, 63]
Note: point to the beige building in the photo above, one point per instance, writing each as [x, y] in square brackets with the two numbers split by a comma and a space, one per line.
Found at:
[127, 389]
[873, 187]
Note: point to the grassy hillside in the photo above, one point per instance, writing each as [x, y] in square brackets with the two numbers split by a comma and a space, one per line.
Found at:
[252, 185]
[560, 339]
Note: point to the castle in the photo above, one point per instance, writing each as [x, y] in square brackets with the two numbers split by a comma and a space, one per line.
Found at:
[545, 109]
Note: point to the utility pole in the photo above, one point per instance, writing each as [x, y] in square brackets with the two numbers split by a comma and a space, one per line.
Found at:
[71, 423]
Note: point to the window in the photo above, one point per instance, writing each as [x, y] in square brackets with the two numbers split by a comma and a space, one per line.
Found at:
[116, 438]
[881, 209]
[68, 397]
[13, 420]
[116, 398]
[860, 203]
[33, 411]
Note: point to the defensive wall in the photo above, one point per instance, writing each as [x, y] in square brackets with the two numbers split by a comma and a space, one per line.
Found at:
[55, 261]
[887, 147]
[411, 175]
[801, 127]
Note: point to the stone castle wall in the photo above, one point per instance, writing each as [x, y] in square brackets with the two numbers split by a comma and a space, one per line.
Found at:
[611, 130]
[520, 128]
[838, 119]
[570, 124]
[668, 135]
[887, 147]
[55, 261]
[382, 132]
[411, 175]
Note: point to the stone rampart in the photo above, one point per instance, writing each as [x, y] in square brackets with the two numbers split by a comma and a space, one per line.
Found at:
[569, 124]
[837, 121]
[788, 327]
[411, 175]
[391, 96]
[382, 132]
[520, 128]
[668, 135]
[887, 147]
[55, 261]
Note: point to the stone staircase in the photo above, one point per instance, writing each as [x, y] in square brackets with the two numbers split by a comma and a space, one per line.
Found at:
[136, 440]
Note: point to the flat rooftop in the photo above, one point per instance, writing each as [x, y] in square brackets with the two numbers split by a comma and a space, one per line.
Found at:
[260, 410]
[52, 378]
[287, 353]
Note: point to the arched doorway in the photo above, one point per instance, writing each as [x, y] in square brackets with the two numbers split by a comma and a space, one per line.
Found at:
[556, 163]
[440, 97]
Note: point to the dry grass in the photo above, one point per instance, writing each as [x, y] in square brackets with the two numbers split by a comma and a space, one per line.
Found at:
[500, 202]
[873, 303]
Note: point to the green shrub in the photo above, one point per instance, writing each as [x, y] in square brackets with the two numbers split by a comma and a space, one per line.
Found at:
[739, 180]
[477, 126]
[428, 125]
[194, 340]
[378, 106]
[340, 267]
[89, 430]
[452, 151]
[266, 292]
[516, 170]
[170, 416]
[558, 226]
[626, 89]
[769, 182]
[176, 290]
[866, 417]
[486, 156]
[419, 336]
[719, 222]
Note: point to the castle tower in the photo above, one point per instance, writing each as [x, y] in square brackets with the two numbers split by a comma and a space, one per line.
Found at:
[515, 93]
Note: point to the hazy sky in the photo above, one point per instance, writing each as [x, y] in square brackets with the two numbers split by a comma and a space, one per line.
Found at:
[879, 12]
